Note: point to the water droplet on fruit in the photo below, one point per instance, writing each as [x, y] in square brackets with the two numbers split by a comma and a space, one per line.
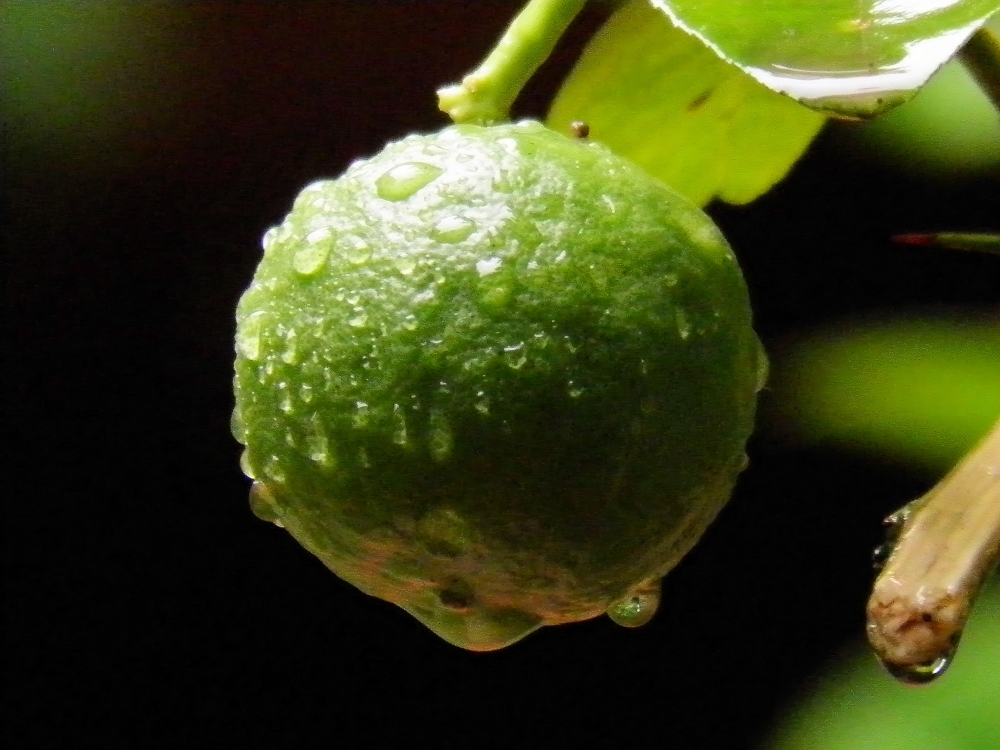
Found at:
[245, 466]
[403, 180]
[452, 229]
[637, 607]
[440, 438]
[405, 265]
[514, 356]
[356, 250]
[486, 266]
[269, 240]
[683, 324]
[237, 426]
[399, 435]
[248, 335]
[290, 355]
[318, 445]
[482, 404]
[263, 504]
[309, 259]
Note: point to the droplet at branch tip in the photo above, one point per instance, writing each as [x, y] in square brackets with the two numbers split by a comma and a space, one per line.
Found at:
[939, 550]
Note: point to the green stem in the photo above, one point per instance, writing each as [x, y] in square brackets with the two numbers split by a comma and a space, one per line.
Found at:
[981, 57]
[486, 94]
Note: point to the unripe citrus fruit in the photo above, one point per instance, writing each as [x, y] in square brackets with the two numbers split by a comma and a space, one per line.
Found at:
[497, 376]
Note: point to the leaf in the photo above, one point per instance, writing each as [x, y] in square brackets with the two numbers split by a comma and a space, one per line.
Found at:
[660, 98]
[918, 390]
[853, 58]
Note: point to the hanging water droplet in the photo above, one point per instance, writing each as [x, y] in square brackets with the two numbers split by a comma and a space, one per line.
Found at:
[637, 607]
[237, 426]
[452, 229]
[245, 466]
[263, 505]
[248, 335]
[403, 180]
[440, 438]
[269, 240]
[920, 674]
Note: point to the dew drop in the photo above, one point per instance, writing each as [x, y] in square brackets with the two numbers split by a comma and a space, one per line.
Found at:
[920, 674]
[482, 404]
[237, 426]
[405, 265]
[245, 466]
[290, 355]
[403, 180]
[683, 324]
[452, 229]
[263, 504]
[399, 435]
[273, 470]
[357, 251]
[309, 259]
[637, 607]
[486, 266]
[514, 356]
[248, 335]
[269, 240]
[318, 445]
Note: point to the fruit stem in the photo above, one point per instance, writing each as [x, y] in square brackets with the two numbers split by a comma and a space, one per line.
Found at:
[486, 95]
[948, 542]
[984, 243]
[981, 57]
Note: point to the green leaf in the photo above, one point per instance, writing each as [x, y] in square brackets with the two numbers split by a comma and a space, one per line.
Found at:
[660, 98]
[923, 391]
[854, 58]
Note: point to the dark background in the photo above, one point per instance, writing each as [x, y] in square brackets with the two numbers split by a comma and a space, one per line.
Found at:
[148, 607]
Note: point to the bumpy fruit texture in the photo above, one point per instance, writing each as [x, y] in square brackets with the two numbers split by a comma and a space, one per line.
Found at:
[497, 376]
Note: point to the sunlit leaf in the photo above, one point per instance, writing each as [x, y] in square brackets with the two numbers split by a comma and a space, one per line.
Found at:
[660, 98]
[922, 391]
[849, 57]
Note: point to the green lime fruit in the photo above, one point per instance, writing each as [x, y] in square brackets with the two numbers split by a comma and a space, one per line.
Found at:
[497, 376]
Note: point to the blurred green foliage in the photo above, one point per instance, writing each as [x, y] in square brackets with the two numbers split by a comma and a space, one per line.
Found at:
[917, 390]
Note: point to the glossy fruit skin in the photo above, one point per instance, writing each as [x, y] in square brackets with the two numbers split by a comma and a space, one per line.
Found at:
[497, 376]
